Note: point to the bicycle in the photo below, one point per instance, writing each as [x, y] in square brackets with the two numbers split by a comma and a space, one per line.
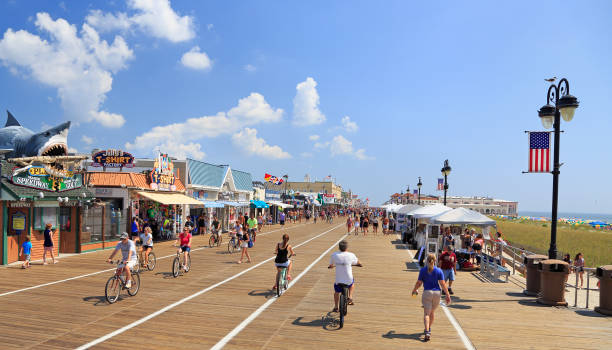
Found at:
[233, 244]
[253, 234]
[116, 284]
[151, 263]
[178, 264]
[281, 280]
[344, 301]
[215, 239]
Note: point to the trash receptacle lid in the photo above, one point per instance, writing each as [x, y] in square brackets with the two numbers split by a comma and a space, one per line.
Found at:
[536, 257]
[553, 262]
[606, 267]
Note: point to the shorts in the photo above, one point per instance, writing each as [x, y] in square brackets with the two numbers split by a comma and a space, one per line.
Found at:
[385, 226]
[476, 246]
[375, 224]
[145, 247]
[449, 274]
[282, 222]
[430, 300]
[244, 244]
[185, 248]
[131, 264]
[28, 257]
[338, 289]
[285, 264]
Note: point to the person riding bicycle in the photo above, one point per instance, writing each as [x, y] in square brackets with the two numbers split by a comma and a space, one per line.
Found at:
[283, 252]
[146, 245]
[129, 258]
[185, 245]
[252, 226]
[344, 262]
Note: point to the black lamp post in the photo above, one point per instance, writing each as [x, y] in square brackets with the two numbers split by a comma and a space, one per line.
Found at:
[564, 106]
[407, 193]
[445, 171]
[419, 186]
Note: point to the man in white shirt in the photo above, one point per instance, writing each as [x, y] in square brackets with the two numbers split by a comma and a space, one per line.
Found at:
[344, 262]
[128, 257]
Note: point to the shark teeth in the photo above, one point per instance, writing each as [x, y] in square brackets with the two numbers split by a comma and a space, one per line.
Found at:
[57, 149]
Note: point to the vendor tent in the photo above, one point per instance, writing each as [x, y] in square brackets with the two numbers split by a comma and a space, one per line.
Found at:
[429, 211]
[462, 216]
[280, 204]
[406, 209]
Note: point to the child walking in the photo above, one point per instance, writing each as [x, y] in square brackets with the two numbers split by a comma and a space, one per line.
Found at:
[26, 249]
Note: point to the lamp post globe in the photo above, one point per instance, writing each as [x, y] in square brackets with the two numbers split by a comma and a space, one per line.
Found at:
[445, 171]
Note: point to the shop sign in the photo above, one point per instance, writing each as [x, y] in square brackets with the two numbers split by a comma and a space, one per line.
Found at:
[18, 222]
[272, 195]
[112, 158]
[37, 177]
[329, 198]
[162, 177]
[19, 204]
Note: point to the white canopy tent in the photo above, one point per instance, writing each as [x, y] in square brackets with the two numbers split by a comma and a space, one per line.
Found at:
[423, 215]
[429, 211]
[406, 209]
[462, 216]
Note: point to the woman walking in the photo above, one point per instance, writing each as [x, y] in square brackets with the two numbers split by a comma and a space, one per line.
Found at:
[48, 244]
[579, 266]
[244, 246]
[432, 279]
[349, 224]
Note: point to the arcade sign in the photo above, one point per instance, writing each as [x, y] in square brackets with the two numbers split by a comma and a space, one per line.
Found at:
[36, 177]
[112, 158]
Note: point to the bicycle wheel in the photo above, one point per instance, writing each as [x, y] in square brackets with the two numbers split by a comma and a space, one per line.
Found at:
[345, 303]
[176, 267]
[231, 245]
[341, 310]
[133, 290]
[113, 287]
[152, 261]
[211, 241]
[279, 283]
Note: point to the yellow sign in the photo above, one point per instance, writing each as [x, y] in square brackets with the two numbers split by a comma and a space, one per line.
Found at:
[18, 222]
[40, 171]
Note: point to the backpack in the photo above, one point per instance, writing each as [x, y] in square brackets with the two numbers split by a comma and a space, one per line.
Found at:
[250, 243]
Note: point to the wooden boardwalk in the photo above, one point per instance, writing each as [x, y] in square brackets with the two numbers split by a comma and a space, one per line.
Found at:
[206, 304]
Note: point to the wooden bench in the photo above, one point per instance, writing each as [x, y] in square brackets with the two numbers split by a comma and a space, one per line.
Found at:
[491, 267]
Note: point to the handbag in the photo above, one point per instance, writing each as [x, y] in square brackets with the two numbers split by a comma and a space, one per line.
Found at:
[250, 243]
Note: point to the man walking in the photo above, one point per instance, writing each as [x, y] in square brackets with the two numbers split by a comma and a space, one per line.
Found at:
[448, 264]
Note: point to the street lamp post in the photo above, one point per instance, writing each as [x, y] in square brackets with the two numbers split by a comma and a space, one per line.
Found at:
[564, 106]
[445, 171]
[407, 193]
[419, 186]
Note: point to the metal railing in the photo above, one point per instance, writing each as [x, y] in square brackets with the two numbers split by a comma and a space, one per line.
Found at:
[493, 247]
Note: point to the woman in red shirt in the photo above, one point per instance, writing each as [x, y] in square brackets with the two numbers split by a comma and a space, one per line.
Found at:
[184, 239]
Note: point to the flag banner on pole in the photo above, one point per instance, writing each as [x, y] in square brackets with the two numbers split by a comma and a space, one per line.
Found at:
[539, 152]
[273, 179]
[415, 191]
[440, 184]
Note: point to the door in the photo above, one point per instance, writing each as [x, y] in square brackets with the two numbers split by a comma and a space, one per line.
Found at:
[13, 248]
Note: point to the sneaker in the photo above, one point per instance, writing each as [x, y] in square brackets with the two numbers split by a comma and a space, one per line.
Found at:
[450, 291]
[186, 268]
[128, 284]
[427, 335]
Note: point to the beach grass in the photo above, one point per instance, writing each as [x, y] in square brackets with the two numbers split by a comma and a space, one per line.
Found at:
[595, 245]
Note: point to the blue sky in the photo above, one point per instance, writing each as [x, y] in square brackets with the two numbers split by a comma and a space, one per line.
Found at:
[250, 83]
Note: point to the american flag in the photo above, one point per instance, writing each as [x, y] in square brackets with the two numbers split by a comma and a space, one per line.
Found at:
[440, 184]
[416, 191]
[539, 152]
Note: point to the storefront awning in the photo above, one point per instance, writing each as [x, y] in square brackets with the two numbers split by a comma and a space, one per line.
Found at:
[259, 204]
[211, 204]
[280, 204]
[234, 204]
[170, 198]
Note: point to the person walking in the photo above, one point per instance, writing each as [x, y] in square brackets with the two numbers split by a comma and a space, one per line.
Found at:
[349, 225]
[26, 251]
[48, 244]
[448, 263]
[244, 246]
[432, 280]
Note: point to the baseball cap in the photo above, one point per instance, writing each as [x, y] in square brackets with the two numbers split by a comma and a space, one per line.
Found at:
[124, 235]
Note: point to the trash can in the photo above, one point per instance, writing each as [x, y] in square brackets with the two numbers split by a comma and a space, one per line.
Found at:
[604, 273]
[552, 282]
[532, 275]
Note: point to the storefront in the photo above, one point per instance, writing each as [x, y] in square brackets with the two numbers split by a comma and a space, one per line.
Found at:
[31, 199]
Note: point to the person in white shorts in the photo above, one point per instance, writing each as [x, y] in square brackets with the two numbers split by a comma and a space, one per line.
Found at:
[344, 262]
[129, 258]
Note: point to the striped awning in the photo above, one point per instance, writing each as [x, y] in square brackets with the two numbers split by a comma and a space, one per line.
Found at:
[170, 198]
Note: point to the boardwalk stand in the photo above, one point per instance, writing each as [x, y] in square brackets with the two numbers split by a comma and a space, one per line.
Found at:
[604, 273]
[532, 274]
[552, 282]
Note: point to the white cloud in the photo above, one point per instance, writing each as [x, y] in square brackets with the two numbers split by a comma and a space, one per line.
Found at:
[306, 154]
[195, 59]
[321, 145]
[250, 68]
[152, 17]
[349, 125]
[79, 67]
[73, 150]
[250, 110]
[210, 26]
[87, 140]
[313, 137]
[247, 140]
[341, 146]
[306, 104]
[181, 150]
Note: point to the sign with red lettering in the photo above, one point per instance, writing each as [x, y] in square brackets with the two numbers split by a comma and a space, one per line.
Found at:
[113, 158]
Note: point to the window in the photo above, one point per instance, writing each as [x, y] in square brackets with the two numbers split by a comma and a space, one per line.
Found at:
[65, 218]
[44, 216]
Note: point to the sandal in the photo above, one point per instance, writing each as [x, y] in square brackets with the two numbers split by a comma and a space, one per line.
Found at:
[335, 309]
[350, 301]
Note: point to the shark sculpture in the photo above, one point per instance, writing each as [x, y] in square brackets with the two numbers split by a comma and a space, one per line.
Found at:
[17, 142]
